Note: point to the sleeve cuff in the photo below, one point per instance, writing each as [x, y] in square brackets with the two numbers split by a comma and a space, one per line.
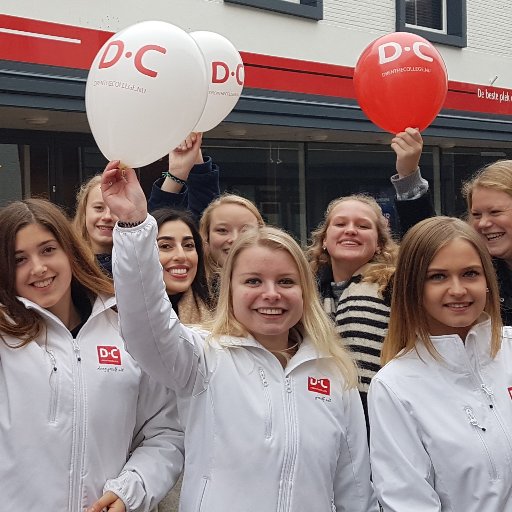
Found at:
[409, 187]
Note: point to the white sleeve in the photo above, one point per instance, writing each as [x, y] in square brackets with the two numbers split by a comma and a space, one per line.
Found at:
[353, 490]
[157, 450]
[401, 467]
[165, 349]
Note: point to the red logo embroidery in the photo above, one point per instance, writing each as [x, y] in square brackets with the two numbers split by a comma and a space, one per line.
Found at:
[322, 386]
[109, 355]
[510, 392]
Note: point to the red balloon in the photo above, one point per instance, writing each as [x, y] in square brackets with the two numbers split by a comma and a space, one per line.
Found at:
[401, 80]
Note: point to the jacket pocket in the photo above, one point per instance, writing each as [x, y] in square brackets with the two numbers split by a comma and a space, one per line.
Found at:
[201, 505]
[268, 404]
[53, 382]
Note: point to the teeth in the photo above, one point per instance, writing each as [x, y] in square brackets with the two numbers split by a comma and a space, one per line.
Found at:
[43, 284]
[105, 228]
[347, 242]
[270, 311]
[458, 306]
[178, 271]
[493, 236]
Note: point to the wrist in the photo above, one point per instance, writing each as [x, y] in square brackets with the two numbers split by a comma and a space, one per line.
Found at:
[173, 177]
[129, 224]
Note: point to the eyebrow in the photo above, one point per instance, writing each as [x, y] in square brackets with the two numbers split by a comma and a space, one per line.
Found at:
[39, 245]
[470, 267]
[167, 237]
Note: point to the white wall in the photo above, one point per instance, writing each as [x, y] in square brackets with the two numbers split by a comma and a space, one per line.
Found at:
[348, 26]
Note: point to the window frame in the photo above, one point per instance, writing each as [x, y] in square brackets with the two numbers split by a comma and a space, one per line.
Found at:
[456, 24]
[311, 9]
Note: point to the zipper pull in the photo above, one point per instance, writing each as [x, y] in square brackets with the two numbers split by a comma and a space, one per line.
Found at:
[472, 419]
[489, 393]
[262, 377]
[76, 348]
[53, 360]
[287, 384]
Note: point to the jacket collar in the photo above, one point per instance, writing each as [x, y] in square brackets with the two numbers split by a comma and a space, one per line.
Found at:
[102, 303]
[456, 353]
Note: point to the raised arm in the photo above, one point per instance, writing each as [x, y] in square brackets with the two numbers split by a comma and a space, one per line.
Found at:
[413, 199]
[154, 336]
[192, 181]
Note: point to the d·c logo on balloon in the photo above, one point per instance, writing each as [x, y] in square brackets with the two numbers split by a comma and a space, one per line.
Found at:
[137, 59]
[416, 48]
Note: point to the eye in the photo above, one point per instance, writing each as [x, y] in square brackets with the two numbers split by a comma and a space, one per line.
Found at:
[165, 246]
[364, 226]
[476, 215]
[98, 208]
[252, 281]
[436, 277]
[189, 246]
[471, 273]
[49, 249]
[18, 260]
[496, 212]
[287, 282]
[221, 231]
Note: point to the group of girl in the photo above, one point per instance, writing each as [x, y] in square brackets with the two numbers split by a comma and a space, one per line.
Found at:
[250, 380]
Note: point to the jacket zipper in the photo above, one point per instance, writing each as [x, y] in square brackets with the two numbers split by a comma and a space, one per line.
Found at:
[77, 451]
[268, 417]
[479, 429]
[54, 388]
[290, 452]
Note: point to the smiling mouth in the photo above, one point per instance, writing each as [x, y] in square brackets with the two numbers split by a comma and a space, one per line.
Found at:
[494, 236]
[180, 273]
[270, 311]
[43, 284]
[106, 228]
[458, 305]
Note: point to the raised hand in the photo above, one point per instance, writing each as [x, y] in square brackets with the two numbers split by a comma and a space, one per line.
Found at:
[408, 146]
[122, 193]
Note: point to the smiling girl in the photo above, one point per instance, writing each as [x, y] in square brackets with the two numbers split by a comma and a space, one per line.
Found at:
[272, 418]
[81, 425]
[440, 413]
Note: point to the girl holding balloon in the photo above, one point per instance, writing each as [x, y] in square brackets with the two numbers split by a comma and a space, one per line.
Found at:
[440, 414]
[268, 396]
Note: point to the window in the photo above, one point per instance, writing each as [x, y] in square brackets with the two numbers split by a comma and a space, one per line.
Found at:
[439, 21]
[312, 9]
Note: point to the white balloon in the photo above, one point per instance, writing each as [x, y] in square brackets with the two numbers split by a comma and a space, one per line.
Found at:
[225, 71]
[146, 90]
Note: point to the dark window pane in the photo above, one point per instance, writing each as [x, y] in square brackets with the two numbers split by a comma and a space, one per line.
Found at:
[424, 13]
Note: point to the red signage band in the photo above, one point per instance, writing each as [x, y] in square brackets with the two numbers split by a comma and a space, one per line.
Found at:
[55, 44]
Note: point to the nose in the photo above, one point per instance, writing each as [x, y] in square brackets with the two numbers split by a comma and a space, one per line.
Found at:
[457, 288]
[351, 228]
[271, 292]
[233, 235]
[107, 214]
[178, 253]
[38, 267]
[484, 221]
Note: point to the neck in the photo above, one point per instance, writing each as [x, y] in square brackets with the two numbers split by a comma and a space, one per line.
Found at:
[101, 248]
[341, 271]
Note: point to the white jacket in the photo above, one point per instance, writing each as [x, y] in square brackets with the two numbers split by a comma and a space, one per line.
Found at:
[79, 417]
[257, 438]
[441, 431]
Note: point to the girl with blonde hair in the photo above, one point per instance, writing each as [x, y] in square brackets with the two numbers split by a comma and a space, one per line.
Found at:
[222, 222]
[267, 396]
[440, 412]
[353, 256]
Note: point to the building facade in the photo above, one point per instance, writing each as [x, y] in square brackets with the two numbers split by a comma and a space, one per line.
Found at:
[297, 137]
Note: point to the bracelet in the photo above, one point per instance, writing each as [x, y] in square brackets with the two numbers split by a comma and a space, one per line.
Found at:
[122, 224]
[167, 174]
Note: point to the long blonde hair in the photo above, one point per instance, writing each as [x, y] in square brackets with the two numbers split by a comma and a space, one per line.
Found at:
[15, 319]
[314, 321]
[408, 320]
[212, 267]
[382, 265]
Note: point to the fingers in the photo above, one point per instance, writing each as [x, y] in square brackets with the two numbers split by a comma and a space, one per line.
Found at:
[115, 172]
[103, 502]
